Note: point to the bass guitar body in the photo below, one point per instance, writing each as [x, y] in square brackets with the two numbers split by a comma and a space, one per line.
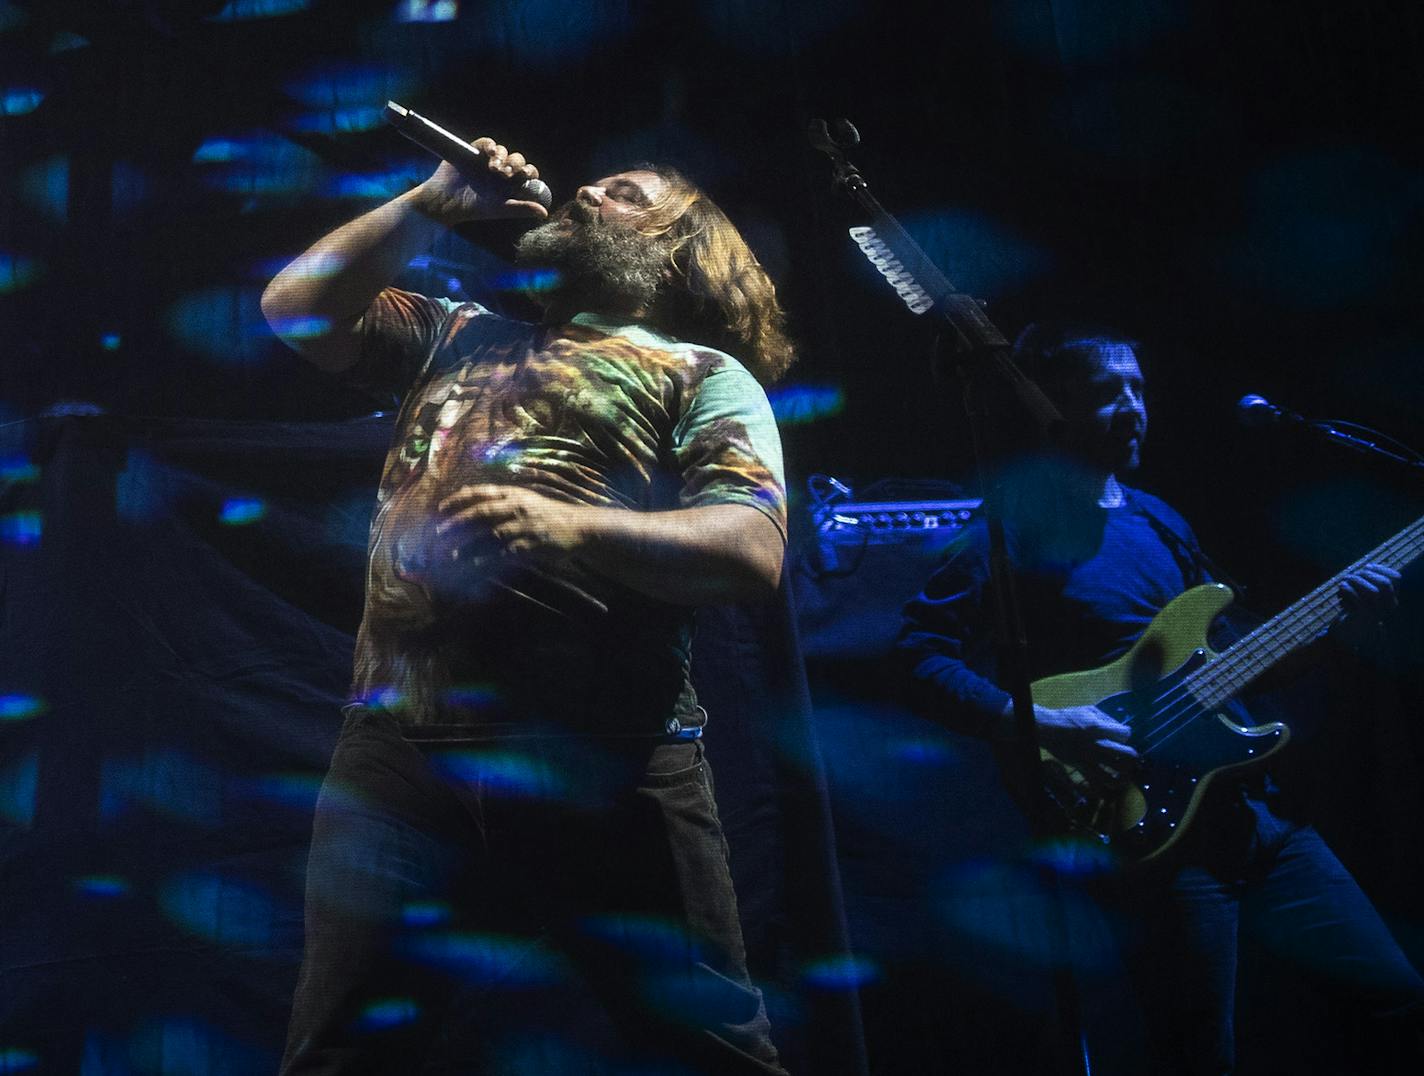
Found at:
[1183, 745]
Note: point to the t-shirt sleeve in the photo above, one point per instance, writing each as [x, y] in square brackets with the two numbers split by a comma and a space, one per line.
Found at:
[727, 449]
[397, 332]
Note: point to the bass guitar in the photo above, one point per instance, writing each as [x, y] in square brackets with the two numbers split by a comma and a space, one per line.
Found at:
[1170, 689]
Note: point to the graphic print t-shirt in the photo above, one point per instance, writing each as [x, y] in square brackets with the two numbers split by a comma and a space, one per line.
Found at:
[592, 412]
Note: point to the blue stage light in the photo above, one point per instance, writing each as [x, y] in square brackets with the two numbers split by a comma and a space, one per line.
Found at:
[350, 85]
[843, 971]
[339, 120]
[19, 781]
[164, 780]
[427, 10]
[17, 470]
[103, 886]
[245, 10]
[983, 257]
[20, 707]
[795, 405]
[45, 187]
[388, 1012]
[17, 271]
[219, 909]
[18, 1059]
[490, 959]
[240, 511]
[19, 100]
[425, 913]
[21, 528]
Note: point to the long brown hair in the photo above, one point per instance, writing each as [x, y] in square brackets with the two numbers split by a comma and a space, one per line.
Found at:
[719, 295]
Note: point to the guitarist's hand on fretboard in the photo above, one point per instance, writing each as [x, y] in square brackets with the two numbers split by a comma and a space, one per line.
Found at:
[1367, 596]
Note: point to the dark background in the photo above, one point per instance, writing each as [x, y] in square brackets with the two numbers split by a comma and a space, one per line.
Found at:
[1238, 187]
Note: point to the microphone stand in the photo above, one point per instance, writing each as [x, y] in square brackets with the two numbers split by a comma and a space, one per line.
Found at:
[979, 354]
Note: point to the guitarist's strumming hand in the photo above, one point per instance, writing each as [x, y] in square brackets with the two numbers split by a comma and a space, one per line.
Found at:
[1085, 737]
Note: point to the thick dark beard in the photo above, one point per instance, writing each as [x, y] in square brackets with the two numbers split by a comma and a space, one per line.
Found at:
[612, 270]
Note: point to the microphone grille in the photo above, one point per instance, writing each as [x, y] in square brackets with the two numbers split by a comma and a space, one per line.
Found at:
[536, 190]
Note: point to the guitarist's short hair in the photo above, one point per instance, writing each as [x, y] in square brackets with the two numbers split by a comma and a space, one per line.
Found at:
[1053, 354]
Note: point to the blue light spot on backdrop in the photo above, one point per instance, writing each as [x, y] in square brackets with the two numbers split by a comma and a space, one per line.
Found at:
[644, 936]
[224, 323]
[16, 272]
[141, 491]
[427, 11]
[425, 913]
[299, 790]
[844, 971]
[219, 909]
[111, 341]
[45, 187]
[19, 101]
[18, 470]
[981, 256]
[488, 958]
[20, 707]
[103, 886]
[545, 32]
[165, 780]
[504, 773]
[351, 85]
[17, 1059]
[184, 1046]
[240, 511]
[12, 16]
[243, 10]
[339, 120]
[388, 1012]
[257, 163]
[19, 779]
[67, 41]
[21, 528]
[381, 185]
[798, 404]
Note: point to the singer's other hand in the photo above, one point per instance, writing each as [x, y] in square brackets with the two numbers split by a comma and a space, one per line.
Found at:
[450, 197]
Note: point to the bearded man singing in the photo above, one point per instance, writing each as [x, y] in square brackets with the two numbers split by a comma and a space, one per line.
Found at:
[518, 816]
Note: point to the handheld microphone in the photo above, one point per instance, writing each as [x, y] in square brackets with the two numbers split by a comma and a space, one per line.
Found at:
[470, 161]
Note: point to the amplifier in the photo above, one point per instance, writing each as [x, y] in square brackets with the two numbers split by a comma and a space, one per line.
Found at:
[866, 555]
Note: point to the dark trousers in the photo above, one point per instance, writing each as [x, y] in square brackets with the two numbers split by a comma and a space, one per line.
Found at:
[1249, 873]
[520, 903]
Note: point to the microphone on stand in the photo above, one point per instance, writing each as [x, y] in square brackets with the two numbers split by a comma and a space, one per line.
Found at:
[1257, 411]
[470, 161]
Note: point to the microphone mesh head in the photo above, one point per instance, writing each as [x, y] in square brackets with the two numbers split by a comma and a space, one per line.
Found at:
[536, 190]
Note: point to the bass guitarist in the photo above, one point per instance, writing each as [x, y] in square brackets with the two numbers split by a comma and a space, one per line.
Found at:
[1095, 562]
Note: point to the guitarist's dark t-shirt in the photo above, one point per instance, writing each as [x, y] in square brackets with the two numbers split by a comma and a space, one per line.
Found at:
[1090, 584]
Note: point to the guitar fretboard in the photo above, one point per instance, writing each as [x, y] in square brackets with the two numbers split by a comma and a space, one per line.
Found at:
[1294, 627]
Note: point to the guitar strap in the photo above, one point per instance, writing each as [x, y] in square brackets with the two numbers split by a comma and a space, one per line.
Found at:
[1195, 565]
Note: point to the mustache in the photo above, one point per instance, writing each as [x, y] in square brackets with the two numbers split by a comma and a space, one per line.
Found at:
[579, 212]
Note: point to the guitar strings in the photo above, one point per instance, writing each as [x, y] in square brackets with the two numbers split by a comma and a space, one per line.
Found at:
[1278, 636]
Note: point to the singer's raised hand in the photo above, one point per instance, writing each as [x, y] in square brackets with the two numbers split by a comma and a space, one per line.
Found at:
[449, 196]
